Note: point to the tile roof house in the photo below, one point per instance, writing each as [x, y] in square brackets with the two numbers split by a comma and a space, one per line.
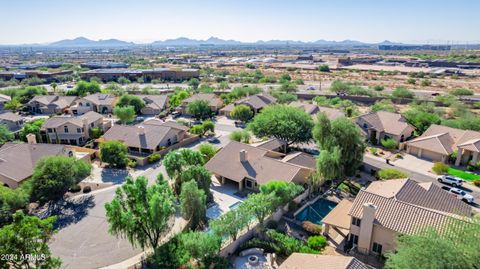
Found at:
[18, 160]
[250, 166]
[214, 102]
[383, 125]
[154, 104]
[317, 261]
[3, 100]
[313, 110]
[148, 137]
[102, 103]
[50, 104]
[386, 209]
[72, 130]
[256, 102]
[14, 122]
[438, 142]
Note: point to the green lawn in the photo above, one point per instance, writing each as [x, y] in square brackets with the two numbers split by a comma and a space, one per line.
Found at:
[463, 175]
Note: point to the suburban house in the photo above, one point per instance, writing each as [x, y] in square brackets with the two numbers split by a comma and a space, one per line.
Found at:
[72, 130]
[154, 104]
[313, 110]
[98, 102]
[384, 125]
[148, 137]
[14, 122]
[214, 102]
[386, 209]
[273, 144]
[3, 100]
[256, 102]
[438, 142]
[249, 166]
[18, 160]
[50, 104]
[318, 261]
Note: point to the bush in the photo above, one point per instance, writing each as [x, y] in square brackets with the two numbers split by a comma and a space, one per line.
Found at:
[132, 163]
[378, 88]
[461, 92]
[476, 182]
[324, 68]
[389, 143]
[402, 92]
[411, 81]
[154, 157]
[87, 189]
[312, 227]
[426, 83]
[75, 188]
[374, 151]
[317, 242]
[240, 136]
[390, 173]
[440, 168]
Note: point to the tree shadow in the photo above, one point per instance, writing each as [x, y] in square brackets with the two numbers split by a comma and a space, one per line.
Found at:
[68, 211]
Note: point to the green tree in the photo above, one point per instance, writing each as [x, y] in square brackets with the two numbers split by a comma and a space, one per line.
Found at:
[131, 100]
[193, 202]
[207, 151]
[83, 88]
[199, 109]
[201, 246]
[27, 236]
[242, 113]
[194, 83]
[53, 176]
[288, 87]
[177, 97]
[342, 146]
[323, 68]
[261, 205]
[200, 175]
[32, 127]
[177, 161]
[455, 247]
[114, 153]
[13, 105]
[125, 114]
[208, 126]
[12, 200]
[5, 134]
[389, 143]
[283, 191]
[123, 80]
[421, 118]
[242, 136]
[230, 223]
[289, 124]
[141, 213]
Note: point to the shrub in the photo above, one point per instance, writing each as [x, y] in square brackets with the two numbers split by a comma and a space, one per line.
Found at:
[317, 242]
[390, 173]
[75, 188]
[461, 92]
[411, 81]
[402, 92]
[154, 157]
[426, 83]
[476, 182]
[374, 151]
[240, 136]
[378, 88]
[440, 168]
[87, 189]
[324, 68]
[389, 143]
[132, 163]
[312, 227]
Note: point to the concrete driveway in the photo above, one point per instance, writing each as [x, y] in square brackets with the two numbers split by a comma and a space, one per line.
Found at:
[416, 164]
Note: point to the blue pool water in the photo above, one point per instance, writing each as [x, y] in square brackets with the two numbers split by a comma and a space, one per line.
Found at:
[316, 211]
[235, 205]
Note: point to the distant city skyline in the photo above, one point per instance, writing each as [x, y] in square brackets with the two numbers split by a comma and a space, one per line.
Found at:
[145, 21]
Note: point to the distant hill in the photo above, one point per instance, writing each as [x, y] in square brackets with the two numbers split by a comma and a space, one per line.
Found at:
[183, 41]
[85, 42]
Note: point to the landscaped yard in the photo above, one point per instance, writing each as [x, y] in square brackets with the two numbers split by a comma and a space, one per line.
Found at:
[463, 175]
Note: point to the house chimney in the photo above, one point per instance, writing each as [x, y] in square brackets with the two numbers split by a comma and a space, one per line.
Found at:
[366, 227]
[141, 130]
[243, 155]
[85, 126]
[31, 139]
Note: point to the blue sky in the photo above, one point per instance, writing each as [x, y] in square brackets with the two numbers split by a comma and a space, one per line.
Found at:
[420, 21]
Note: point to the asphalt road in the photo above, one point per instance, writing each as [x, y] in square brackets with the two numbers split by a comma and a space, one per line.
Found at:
[422, 177]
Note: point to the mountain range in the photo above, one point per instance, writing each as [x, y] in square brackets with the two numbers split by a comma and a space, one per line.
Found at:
[186, 42]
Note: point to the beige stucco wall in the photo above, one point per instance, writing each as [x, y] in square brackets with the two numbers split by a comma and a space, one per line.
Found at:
[10, 182]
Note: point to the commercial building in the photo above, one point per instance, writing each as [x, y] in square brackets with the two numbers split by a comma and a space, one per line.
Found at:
[148, 75]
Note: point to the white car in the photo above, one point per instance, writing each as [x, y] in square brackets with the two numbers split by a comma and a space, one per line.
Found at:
[461, 195]
[454, 181]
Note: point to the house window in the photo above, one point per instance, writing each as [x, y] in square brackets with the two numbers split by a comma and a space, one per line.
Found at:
[365, 126]
[49, 130]
[356, 222]
[91, 124]
[65, 129]
[377, 248]
[354, 239]
[248, 183]
[87, 104]
[79, 130]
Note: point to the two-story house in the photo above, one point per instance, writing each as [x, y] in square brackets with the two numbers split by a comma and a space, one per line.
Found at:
[384, 125]
[98, 102]
[72, 130]
[50, 104]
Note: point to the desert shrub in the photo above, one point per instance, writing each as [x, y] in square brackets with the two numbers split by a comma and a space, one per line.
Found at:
[154, 157]
[389, 143]
[75, 188]
[374, 151]
[402, 92]
[440, 168]
[461, 92]
[87, 189]
[476, 182]
[317, 242]
[312, 227]
[132, 163]
[390, 173]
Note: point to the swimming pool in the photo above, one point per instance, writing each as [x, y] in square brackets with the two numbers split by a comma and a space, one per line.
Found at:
[316, 211]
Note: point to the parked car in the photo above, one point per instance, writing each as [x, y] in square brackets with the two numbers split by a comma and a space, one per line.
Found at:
[240, 124]
[175, 114]
[213, 140]
[446, 179]
[311, 88]
[461, 195]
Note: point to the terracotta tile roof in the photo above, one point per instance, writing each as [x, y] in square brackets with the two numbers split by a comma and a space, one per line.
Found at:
[302, 159]
[388, 122]
[53, 100]
[338, 217]
[155, 101]
[409, 206]
[272, 144]
[258, 164]
[317, 261]
[313, 110]
[10, 116]
[18, 160]
[172, 124]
